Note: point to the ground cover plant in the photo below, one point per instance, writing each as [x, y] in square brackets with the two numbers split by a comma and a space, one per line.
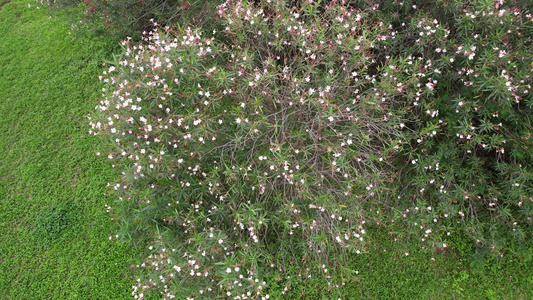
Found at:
[269, 147]
[54, 229]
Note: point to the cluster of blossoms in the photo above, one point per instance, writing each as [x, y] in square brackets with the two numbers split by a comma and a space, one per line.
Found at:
[214, 140]
[293, 127]
[476, 140]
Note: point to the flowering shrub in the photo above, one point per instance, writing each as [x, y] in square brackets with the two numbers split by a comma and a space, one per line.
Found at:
[129, 18]
[470, 156]
[270, 144]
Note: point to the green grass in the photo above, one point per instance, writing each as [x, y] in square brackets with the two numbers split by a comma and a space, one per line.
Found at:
[385, 272]
[53, 225]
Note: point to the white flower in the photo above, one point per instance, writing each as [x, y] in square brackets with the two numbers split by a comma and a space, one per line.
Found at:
[238, 120]
[220, 241]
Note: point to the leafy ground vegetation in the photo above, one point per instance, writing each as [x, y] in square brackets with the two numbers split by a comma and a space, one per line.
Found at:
[282, 150]
[54, 229]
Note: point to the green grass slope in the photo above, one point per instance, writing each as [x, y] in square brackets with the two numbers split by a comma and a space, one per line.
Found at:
[53, 226]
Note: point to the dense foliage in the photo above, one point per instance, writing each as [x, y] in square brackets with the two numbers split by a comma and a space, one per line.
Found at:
[53, 222]
[471, 147]
[130, 18]
[273, 142]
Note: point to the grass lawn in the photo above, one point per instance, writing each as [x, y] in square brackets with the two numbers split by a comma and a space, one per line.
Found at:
[53, 225]
[385, 272]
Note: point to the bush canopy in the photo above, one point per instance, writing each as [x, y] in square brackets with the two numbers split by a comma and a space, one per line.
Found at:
[271, 144]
